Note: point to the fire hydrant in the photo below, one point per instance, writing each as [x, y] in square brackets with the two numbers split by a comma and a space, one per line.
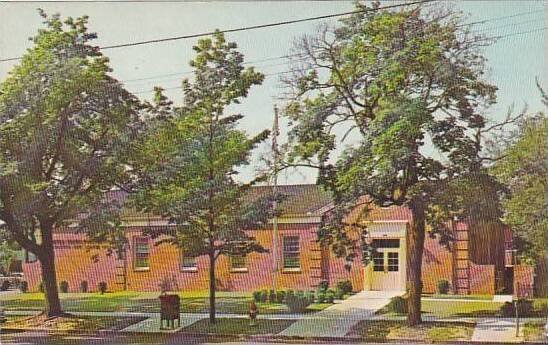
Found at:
[253, 311]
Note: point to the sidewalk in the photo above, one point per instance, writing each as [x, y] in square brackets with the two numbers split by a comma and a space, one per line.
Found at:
[503, 330]
[338, 320]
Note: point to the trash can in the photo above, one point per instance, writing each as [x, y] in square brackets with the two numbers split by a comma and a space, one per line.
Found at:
[170, 310]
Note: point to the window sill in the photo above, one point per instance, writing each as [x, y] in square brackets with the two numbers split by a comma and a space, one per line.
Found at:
[189, 270]
[238, 270]
[142, 269]
[291, 270]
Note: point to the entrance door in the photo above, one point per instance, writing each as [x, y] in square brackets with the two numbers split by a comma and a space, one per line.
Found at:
[386, 269]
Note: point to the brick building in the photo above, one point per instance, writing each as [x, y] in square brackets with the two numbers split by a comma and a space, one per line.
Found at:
[302, 262]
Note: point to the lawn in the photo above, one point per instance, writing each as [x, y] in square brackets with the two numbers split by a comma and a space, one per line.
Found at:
[532, 331]
[468, 297]
[129, 301]
[381, 331]
[69, 323]
[451, 309]
[239, 326]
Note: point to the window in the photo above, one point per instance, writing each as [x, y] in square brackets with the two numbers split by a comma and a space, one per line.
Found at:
[291, 254]
[393, 262]
[188, 263]
[378, 261]
[386, 243]
[141, 253]
[238, 263]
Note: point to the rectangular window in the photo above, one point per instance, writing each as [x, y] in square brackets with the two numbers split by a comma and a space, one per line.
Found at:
[141, 251]
[378, 261]
[393, 262]
[386, 243]
[238, 263]
[188, 263]
[291, 253]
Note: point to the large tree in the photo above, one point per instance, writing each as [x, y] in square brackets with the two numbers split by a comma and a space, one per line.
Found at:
[64, 126]
[188, 163]
[521, 166]
[406, 86]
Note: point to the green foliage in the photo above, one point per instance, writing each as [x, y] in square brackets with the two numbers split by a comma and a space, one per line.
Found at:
[84, 286]
[524, 306]
[320, 296]
[522, 167]
[330, 296]
[64, 286]
[7, 254]
[323, 286]
[280, 296]
[345, 286]
[298, 302]
[397, 305]
[256, 296]
[102, 287]
[443, 287]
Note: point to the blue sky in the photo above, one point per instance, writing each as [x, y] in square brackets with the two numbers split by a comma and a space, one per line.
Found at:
[513, 62]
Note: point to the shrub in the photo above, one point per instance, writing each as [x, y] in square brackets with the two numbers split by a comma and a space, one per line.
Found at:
[320, 297]
[297, 303]
[345, 286]
[84, 286]
[64, 286]
[102, 287]
[24, 287]
[330, 296]
[323, 286]
[443, 287]
[280, 296]
[309, 295]
[289, 293]
[525, 308]
[271, 296]
[256, 296]
[339, 294]
[41, 287]
[264, 296]
[5, 285]
[398, 305]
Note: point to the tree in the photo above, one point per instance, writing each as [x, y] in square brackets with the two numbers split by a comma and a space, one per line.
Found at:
[188, 162]
[7, 254]
[407, 84]
[64, 125]
[521, 166]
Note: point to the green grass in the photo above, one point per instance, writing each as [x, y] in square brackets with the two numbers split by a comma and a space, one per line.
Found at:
[474, 297]
[532, 331]
[450, 309]
[429, 332]
[130, 301]
[239, 326]
[71, 323]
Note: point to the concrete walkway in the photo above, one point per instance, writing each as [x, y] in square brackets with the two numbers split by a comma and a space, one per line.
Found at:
[503, 330]
[338, 320]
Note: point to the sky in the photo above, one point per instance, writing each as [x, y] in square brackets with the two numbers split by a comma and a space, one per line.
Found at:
[513, 62]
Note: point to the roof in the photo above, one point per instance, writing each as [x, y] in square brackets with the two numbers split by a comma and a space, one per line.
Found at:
[300, 200]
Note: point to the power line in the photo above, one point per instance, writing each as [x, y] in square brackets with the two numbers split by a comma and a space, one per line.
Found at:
[252, 27]
[288, 56]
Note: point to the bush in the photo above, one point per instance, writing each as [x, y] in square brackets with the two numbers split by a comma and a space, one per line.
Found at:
[256, 296]
[309, 295]
[289, 293]
[84, 286]
[345, 286]
[41, 287]
[323, 286]
[280, 296]
[443, 287]
[298, 302]
[398, 305]
[102, 287]
[5, 285]
[320, 297]
[272, 296]
[24, 287]
[330, 296]
[264, 296]
[339, 294]
[64, 286]
[525, 308]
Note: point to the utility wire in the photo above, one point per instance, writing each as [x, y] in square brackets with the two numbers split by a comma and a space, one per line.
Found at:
[252, 27]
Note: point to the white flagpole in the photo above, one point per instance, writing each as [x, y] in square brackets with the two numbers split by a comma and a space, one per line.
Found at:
[275, 133]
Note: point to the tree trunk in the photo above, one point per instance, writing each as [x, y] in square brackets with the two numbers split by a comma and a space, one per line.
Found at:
[415, 249]
[212, 289]
[49, 277]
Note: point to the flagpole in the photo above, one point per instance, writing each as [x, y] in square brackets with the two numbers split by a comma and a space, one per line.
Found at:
[275, 132]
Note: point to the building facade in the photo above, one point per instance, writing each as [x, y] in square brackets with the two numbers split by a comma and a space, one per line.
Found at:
[301, 262]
